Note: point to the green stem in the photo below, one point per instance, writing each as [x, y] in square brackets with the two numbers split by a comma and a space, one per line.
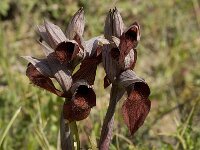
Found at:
[75, 135]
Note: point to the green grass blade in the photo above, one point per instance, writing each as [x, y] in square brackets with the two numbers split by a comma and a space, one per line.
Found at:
[75, 135]
[41, 138]
[9, 125]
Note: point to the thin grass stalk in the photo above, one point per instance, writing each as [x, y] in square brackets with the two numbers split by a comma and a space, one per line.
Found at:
[181, 136]
[75, 135]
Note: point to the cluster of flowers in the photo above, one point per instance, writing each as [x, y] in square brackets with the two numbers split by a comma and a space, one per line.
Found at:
[116, 50]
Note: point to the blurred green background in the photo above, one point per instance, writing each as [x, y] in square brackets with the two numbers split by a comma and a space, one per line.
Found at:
[168, 58]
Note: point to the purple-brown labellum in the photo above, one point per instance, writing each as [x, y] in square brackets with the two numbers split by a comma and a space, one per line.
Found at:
[136, 107]
[66, 51]
[88, 94]
[40, 80]
[76, 110]
[79, 107]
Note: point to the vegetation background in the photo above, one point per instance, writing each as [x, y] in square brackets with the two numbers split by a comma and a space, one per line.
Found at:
[168, 58]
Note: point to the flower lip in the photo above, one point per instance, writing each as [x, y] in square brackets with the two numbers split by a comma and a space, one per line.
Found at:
[137, 106]
[80, 105]
[87, 94]
[76, 110]
[135, 110]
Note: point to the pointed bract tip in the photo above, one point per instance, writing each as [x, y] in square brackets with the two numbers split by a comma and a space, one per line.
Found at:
[25, 57]
[45, 20]
[81, 10]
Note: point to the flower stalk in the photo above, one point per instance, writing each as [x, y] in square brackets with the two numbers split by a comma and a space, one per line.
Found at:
[108, 124]
[119, 59]
[65, 134]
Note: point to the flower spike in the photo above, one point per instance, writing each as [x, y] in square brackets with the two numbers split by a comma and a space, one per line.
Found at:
[119, 57]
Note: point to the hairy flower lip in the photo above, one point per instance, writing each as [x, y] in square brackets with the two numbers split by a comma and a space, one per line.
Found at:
[87, 93]
[84, 90]
[128, 41]
[78, 108]
[135, 110]
[92, 58]
[137, 106]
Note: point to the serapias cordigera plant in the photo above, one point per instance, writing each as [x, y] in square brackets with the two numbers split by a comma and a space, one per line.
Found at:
[116, 50]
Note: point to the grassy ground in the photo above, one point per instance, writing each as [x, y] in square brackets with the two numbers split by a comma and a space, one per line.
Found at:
[168, 58]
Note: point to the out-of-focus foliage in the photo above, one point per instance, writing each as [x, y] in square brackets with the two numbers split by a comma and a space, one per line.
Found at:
[168, 57]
